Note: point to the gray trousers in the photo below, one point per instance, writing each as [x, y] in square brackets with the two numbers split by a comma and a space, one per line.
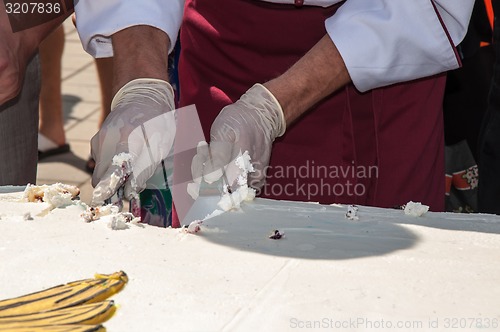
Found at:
[19, 130]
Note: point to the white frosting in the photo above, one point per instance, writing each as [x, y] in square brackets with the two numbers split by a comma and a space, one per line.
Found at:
[233, 277]
[121, 221]
[107, 188]
[233, 200]
[122, 158]
[415, 209]
[110, 214]
[57, 195]
[194, 226]
[352, 212]
[244, 163]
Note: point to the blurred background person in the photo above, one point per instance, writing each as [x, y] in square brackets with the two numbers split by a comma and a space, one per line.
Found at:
[19, 92]
[465, 104]
[489, 139]
[51, 137]
[104, 68]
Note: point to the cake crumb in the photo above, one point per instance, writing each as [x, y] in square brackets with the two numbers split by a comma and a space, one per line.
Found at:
[193, 227]
[277, 235]
[96, 213]
[121, 221]
[352, 212]
[57, 195]
[415, 209]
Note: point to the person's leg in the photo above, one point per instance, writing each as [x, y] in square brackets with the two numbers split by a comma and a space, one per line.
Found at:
[51, 113]
[18, 131]
[105, 73]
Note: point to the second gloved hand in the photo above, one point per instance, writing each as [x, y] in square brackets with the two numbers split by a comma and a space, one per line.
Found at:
[133, 140]
[250, 124]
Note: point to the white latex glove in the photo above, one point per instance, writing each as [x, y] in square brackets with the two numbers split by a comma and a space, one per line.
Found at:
[250, 124]
[133, 140]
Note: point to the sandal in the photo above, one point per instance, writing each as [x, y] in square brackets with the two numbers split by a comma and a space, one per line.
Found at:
[47, 148]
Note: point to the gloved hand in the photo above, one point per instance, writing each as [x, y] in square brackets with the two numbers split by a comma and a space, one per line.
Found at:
[250, 124]
[133, 140]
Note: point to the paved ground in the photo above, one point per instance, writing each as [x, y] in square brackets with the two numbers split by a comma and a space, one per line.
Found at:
[81, 102]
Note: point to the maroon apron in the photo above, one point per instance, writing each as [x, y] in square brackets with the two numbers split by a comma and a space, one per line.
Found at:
[381, 148]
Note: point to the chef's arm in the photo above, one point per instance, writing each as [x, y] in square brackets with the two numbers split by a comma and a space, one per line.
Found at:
[139, 52]
[138, 35]
[140, 112]
[316, 75]
[375, 44]
[369, 43]
[262, 114]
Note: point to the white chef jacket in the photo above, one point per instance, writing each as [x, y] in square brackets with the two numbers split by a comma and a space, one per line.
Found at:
[381, 41]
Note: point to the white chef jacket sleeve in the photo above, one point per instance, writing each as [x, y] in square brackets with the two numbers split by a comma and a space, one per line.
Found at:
[97, 20]
[383, 42]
